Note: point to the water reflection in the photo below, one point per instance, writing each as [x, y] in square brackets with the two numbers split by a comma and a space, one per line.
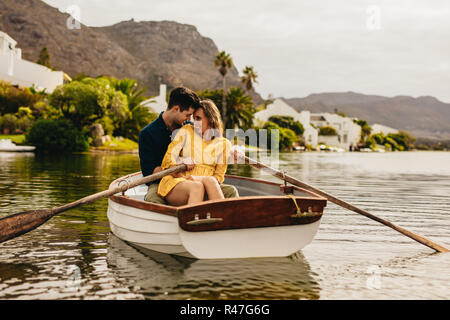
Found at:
[411, 192]
[161, 276]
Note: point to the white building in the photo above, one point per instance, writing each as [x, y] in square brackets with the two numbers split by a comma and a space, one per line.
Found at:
[158, 103]
[281, 108]
[22, 72]
[349, 133]
[385, 130]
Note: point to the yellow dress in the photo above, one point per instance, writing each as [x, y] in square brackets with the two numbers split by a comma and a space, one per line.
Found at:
[210, 157]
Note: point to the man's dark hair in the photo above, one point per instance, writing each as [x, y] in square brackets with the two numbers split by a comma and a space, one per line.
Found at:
[183, 97]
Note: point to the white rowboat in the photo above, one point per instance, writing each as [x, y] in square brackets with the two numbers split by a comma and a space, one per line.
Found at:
[267, 220]
[6, 145]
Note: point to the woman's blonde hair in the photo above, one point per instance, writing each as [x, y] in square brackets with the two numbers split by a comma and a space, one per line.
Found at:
[212, 113]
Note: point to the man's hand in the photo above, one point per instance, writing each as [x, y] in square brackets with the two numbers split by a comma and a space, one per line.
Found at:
[157, 169]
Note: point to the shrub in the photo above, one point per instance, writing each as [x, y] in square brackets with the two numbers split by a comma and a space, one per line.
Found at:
[23, 124]
[11, 98]
[89, 100]
[286, 136]
[327, 131]
[404, 140]
[289, 123]
[9, 123]
[50, 136]
[392, 142]
[378, 137]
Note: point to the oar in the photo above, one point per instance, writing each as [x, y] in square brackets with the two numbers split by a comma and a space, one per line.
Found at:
[23, 222]
[346, 205]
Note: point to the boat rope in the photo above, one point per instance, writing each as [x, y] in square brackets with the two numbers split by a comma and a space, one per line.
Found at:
[127, 185]
[295, 202]
[284, 177]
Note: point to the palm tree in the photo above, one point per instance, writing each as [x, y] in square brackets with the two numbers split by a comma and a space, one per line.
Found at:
[44, 58]
[240, 111]
[224, 62]
[140, 116]
[249, 78]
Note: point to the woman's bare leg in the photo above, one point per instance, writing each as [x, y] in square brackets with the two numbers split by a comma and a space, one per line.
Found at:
[186, 192]
[212, 188]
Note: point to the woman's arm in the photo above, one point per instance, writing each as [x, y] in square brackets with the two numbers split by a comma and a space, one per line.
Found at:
[172, 156]
[222, 165]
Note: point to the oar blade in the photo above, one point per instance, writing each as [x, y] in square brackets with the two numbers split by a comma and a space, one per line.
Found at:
[22, 222]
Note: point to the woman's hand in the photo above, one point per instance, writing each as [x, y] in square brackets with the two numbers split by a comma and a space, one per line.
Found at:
[189, 162]
[196, 178]
[177, 174]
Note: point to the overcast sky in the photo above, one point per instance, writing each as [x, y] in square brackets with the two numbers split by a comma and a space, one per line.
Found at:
[301, 47]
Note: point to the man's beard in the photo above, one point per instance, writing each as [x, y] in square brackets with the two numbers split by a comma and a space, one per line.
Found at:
[177, 125]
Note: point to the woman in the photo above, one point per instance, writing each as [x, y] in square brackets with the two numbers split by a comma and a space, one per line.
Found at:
[205, 152]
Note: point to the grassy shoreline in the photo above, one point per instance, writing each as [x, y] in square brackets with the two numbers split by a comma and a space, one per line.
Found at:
[123, 145]
[16, 138]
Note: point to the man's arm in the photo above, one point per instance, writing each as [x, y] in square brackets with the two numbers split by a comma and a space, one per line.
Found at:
[147, 154]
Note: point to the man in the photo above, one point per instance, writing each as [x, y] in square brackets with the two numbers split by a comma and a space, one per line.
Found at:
[156, 137]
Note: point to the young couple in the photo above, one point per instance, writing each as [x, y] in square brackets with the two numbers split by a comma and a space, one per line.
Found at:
[200, 146]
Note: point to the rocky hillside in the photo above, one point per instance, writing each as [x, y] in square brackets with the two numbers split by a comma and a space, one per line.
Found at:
[170, 52]
[422, 116]
[173, 52]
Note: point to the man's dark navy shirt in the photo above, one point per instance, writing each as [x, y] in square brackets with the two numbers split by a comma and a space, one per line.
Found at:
[153, 142]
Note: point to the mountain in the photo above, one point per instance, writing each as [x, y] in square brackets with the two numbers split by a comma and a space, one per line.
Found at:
[423, 116]
[151, 52]
[173, 52]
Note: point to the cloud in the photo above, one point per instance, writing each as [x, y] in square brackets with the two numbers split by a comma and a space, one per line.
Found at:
[302, 47]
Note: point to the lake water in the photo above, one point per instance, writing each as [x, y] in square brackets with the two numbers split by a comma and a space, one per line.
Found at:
[74, 255]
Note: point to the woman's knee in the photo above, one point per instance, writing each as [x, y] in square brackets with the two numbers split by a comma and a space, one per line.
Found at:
[197, 186]
[209, 181]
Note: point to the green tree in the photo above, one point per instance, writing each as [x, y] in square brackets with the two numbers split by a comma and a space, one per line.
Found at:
[249, 78]
[378, 137]
[286, 137]
[392, 144]
[403, 139]
[138, 116]
[365, 129]
[11, 98]
[224, 62]
[86, 101]
[327, 131]
[288, 122]
[9, 124]
[56, 136]
[270, 99]
[44, 57]
[240, 110]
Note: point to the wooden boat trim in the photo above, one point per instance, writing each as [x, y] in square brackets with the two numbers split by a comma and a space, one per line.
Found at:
[246, 198]
[259, 211]
[234, 177]
[144, 205]
[175, 211]
[274, 184]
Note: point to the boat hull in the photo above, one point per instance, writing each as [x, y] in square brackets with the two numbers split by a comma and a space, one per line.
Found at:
[244, 227]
